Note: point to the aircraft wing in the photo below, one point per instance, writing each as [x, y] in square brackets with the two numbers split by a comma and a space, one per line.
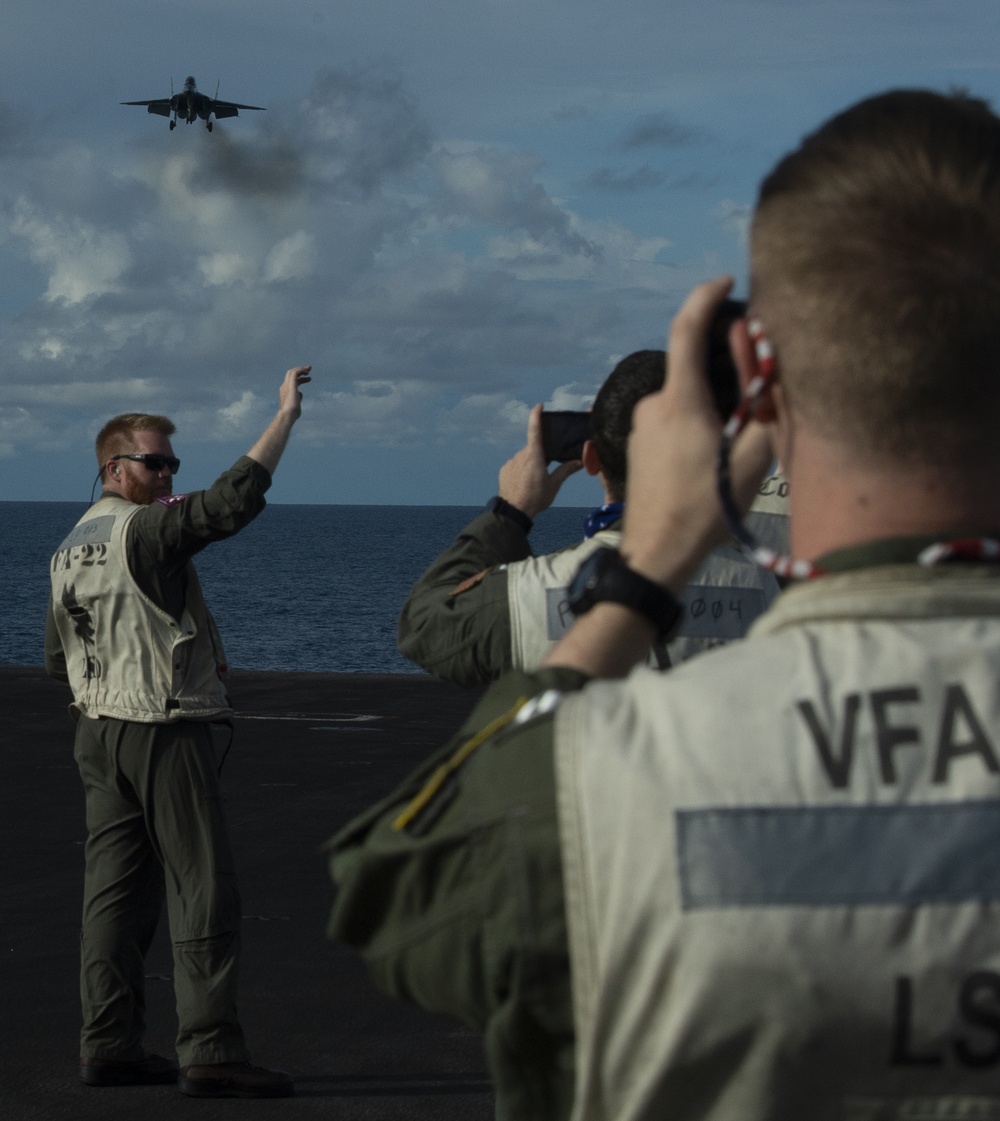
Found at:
[160, 106]
[231, 108]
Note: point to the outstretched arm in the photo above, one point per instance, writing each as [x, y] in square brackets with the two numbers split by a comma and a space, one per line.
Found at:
[269, 447]
[166, 534]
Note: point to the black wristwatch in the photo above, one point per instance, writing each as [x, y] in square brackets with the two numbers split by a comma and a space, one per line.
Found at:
[505, 509]
[604, 576]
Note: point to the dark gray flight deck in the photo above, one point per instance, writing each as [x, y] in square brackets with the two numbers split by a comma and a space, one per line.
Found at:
[310, 751]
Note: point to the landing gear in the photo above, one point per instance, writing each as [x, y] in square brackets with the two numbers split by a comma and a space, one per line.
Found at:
[208, 125]
[173, 125]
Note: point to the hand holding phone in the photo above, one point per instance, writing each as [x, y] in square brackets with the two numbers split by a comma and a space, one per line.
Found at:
[525, 480]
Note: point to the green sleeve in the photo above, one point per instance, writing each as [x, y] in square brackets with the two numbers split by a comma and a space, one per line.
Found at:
[455, 626]
[461, 910]
[164, 537]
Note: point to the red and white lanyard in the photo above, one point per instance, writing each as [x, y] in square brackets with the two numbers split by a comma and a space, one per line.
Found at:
[795, 568]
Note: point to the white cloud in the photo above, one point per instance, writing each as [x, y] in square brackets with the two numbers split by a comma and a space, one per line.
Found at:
[573, 397]
[368, 412]
[292, 258]
[498, 189]
[226, 268]
[488, 418]
[235, 416]
[81, 259]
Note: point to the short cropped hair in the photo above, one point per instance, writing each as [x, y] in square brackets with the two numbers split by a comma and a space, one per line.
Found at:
[118, 435]
[635, 377]
[875, 269]
[641, 373]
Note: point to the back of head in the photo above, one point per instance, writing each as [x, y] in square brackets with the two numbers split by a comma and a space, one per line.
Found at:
[636, 376]
[875, 269]
[117, 436]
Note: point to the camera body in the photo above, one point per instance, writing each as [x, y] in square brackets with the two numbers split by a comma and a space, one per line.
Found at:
[563, 435]
[722, 376]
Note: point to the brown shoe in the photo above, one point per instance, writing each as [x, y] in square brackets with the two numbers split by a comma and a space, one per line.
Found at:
[234, 1080]
[153, 1070]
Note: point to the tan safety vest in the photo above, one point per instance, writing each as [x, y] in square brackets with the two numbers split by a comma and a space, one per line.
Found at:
[538, 597]
[126, 657]
[726, 595]
[781, 864]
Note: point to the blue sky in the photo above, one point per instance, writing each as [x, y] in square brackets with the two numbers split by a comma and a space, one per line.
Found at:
[452, 210]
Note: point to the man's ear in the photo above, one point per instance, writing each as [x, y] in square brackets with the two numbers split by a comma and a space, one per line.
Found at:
[744, 354]
[591, 460]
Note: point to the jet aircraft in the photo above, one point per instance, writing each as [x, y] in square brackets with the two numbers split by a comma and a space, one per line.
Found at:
[189, 104]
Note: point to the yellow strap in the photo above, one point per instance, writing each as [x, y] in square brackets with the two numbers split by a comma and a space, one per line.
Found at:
[437, 780]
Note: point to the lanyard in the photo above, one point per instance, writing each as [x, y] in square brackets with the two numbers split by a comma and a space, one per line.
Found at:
[796, 568]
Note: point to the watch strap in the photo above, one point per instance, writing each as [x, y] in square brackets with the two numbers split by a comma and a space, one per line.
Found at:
[604, 577]
[505, 509]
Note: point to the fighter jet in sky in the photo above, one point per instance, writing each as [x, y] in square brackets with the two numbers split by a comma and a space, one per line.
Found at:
[189, 104]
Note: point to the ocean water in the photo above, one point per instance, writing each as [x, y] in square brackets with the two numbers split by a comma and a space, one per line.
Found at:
[309, 588]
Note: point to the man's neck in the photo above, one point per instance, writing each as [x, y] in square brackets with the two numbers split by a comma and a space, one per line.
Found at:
[838, 503]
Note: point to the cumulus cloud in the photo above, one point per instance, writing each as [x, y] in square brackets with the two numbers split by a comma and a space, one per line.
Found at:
[488, 418]
[82, 260]
[496, 189]
[438, 288]
[368, 413]
[225, 268]
[291, 258]
[236, 415]
[573, 397]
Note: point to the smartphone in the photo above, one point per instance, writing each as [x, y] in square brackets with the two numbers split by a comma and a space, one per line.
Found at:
[722, 374]
[563, 434]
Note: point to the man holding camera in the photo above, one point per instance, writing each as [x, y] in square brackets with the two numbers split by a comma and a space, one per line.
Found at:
[763, 885]
[487, 605]
[130, 633]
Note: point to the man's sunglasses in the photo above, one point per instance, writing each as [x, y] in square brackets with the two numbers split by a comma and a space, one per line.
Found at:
[153, 462]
